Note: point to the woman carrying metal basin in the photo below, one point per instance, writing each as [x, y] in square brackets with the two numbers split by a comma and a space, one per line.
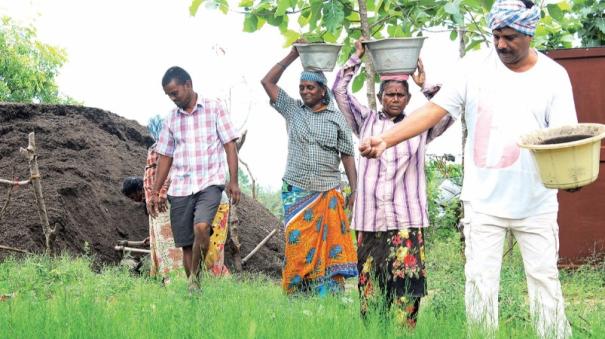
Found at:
[391, 207]
[319, 252]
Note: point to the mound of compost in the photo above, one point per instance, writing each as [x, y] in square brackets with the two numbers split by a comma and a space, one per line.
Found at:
[83, 155]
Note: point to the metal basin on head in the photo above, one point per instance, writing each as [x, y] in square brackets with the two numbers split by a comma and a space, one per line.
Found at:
[395, 55]
[318, 56]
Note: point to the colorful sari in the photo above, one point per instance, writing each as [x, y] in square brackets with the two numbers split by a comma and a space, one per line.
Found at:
[319, 252]
[392, 273]
[215, 257]
[165, 257]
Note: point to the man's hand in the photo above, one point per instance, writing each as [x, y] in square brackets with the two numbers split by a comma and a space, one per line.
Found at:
[419, 77]
[233, 192]
[372, 147]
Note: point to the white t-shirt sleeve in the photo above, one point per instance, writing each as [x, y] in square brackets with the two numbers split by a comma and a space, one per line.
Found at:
[562, 109]
[452, 95]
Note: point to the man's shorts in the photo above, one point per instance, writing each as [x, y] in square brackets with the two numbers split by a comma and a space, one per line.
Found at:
[193, 209]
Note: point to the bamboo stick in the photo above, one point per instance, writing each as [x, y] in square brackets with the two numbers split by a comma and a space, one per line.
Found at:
[261, 244]
[8, 248]
[131, 249]
[30, 153]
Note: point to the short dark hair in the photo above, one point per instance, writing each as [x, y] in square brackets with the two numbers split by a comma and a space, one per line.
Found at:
[132, 185]
[175, 73]
[383, 84]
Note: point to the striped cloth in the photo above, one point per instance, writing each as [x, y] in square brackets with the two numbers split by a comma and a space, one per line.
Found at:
[195, 142]
[514, 14]
[391, 190]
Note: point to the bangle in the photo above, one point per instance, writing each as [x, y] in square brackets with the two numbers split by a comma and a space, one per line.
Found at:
[282, 65]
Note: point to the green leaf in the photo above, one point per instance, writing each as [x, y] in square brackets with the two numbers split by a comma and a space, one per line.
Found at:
[567, 38]
[358, 82]
[195, 5]
[600, 23]
[282, 7]
[333, 15]
[452, 8]
[329, 37]
[474, 45]
[565, 5]
[246, 3]
[555, 12]
[316, 6]
[290, 36]
[453, 35]
[250, 23]
[303, 18]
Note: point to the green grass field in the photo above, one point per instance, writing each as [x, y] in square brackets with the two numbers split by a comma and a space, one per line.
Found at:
[64, 298]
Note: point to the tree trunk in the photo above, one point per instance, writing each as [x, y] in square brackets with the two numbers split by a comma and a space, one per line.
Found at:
[462, 53]
[365, 32]
[32, 156]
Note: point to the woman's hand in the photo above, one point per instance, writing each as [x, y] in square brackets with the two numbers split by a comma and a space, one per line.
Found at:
[419, 77]
[359, 49]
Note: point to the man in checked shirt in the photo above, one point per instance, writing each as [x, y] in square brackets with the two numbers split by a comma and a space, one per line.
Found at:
[390, 209]
[191, 146]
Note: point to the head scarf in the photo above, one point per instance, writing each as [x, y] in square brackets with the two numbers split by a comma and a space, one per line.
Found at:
[394, 76]
[514, 14]
[314, 76]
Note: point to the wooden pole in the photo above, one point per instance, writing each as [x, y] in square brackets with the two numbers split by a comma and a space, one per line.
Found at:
[131, 249]
[261, 244]
[32, 156]
[13, 249]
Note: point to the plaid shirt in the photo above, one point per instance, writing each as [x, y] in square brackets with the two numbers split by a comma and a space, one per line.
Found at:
[150, 171]
[391, 190]
[315, 142]
[195, 142]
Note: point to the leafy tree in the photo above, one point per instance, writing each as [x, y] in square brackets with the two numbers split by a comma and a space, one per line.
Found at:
[570, 22]
[154, 126]
[347, 20]
[28, 67]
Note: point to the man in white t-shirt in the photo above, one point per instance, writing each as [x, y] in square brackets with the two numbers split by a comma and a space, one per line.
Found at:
[507, 92]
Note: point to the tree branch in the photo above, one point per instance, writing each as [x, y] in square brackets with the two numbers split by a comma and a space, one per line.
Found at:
[477, 25]
[251, 177]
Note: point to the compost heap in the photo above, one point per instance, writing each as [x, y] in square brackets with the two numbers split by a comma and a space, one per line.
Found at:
[83, 155]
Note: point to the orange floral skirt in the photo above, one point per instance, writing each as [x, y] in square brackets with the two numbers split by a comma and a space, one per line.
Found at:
[320, 252]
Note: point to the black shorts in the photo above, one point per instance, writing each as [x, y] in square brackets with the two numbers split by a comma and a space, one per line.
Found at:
[193, 209]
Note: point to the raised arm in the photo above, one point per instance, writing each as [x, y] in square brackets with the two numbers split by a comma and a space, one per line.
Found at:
[270, 80]
[354, 112]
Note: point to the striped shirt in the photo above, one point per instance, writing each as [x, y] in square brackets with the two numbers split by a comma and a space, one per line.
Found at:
[195, 142]
[391, 190]
[315, 142]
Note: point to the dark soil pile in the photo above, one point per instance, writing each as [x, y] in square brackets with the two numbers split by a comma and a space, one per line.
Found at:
[83, 155]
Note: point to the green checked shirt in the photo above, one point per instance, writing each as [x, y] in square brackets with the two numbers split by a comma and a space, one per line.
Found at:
[315, 142]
